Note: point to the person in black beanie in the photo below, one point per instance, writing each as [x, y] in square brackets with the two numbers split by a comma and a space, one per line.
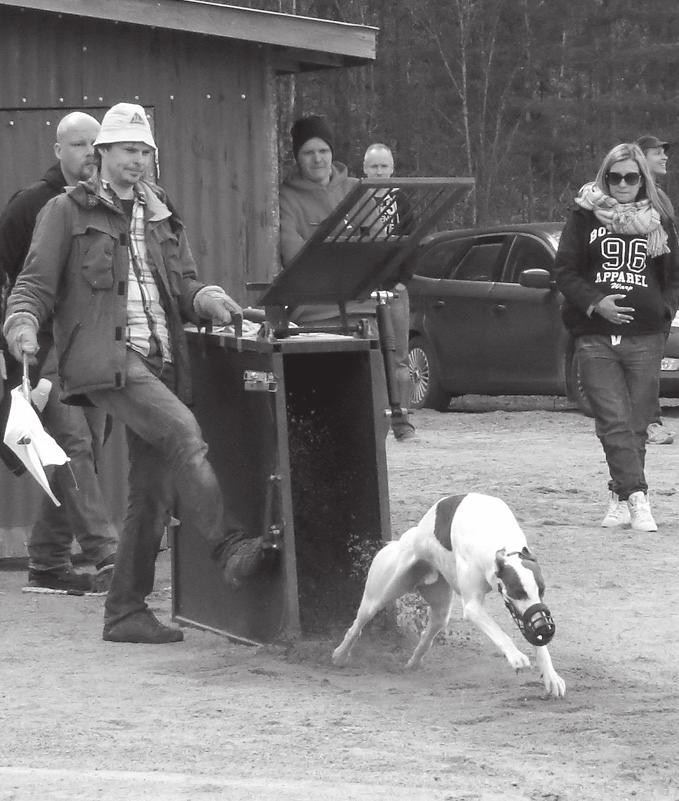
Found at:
[313, 127]
[311, 191]
[314, 186]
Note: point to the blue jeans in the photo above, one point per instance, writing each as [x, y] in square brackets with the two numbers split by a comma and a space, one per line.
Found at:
[169, 474]
[83, 511]
[400, 320]
[621, 383]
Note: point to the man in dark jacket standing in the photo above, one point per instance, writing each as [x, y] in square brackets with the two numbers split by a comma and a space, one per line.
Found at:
[83, 509]
[396, 216]
[111, 258]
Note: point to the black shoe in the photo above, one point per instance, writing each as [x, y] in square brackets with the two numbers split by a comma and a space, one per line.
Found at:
[250, 557]
[141, 627]
[403, 431]
[109, 561]
[59, 580]
[101, 581]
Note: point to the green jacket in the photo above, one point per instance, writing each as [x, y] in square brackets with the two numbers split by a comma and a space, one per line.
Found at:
[77, 271]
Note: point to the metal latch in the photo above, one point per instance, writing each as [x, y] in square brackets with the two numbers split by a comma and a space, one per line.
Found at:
[259, 381]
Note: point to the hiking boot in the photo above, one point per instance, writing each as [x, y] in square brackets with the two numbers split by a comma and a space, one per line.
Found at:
[101, 581]
[59, 581]
[142, 627]
[640, 512]
[249, 557]
[617, 513]
[657, 434]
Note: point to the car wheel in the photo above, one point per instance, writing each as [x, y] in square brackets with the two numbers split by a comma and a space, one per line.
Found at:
[425, 387]
[576, 390]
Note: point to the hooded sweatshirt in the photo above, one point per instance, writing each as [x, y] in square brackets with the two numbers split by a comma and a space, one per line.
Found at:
[304, 205]
[593, 262]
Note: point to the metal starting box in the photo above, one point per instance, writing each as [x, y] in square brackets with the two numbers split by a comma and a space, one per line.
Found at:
[296, 420]
[296, 430]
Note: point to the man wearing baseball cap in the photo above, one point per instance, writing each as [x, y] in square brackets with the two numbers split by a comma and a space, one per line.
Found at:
[657, 154]
[111, 260]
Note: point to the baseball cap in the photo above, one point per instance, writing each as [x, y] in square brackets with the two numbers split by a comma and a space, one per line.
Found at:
[125, 122]
[647, 142]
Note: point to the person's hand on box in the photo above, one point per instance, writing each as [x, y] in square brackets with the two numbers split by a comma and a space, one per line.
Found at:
[212, 303]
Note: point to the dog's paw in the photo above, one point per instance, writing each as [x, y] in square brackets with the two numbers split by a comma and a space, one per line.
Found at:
[340, 658]
[517, 660]
[554, 684]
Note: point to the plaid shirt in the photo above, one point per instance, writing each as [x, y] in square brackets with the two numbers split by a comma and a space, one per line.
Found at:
[146, 322]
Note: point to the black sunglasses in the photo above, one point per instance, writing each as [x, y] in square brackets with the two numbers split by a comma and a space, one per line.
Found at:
[630, 178]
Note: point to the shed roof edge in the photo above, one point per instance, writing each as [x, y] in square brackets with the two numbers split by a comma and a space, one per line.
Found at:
[306, 35]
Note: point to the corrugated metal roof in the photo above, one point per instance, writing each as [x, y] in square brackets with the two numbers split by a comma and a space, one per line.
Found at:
[307, 40]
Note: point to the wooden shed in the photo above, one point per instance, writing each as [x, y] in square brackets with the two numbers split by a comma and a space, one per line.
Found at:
[206, 75]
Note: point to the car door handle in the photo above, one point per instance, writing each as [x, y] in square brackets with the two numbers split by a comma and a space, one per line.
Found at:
[438, 303]
[499, 308]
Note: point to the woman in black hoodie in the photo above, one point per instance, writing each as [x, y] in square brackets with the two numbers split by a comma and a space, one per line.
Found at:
[617, 267]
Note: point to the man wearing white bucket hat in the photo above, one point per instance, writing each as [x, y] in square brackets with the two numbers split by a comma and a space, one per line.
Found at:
[112, 259]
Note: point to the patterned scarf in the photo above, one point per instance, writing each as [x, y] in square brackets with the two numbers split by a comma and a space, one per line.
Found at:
[625, 218]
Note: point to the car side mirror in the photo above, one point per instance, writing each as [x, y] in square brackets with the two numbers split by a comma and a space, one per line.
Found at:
[536, 278]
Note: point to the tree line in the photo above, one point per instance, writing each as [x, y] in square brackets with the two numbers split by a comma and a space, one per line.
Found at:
[526, 96]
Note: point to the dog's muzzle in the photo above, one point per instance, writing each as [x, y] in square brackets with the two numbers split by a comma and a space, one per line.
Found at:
[536, 624]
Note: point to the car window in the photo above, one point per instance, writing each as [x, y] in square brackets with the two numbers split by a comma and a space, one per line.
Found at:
[480, 263]
[436, 262]
[527, 253]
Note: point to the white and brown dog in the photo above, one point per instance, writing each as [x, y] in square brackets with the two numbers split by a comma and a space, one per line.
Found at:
[466, 543]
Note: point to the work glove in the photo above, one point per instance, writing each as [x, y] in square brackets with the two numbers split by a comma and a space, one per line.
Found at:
[21, 333]
[212, 303]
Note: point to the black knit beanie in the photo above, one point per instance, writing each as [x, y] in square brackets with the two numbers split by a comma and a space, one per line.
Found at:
[306, 128]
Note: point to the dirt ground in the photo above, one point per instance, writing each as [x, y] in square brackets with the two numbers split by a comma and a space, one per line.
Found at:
[81, 719]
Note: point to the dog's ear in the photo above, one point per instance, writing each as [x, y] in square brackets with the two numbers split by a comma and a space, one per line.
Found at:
[500, 558]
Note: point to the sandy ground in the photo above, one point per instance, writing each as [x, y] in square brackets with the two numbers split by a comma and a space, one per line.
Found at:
[209, 719]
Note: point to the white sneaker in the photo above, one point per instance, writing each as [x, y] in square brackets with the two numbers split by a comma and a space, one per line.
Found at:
[657, 434]
[640, 512]
[617, 513]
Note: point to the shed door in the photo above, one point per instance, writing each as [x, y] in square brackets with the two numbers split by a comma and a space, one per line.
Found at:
[27, 144]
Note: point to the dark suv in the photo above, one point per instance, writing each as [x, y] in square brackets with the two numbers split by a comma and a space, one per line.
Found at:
[485, 318]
